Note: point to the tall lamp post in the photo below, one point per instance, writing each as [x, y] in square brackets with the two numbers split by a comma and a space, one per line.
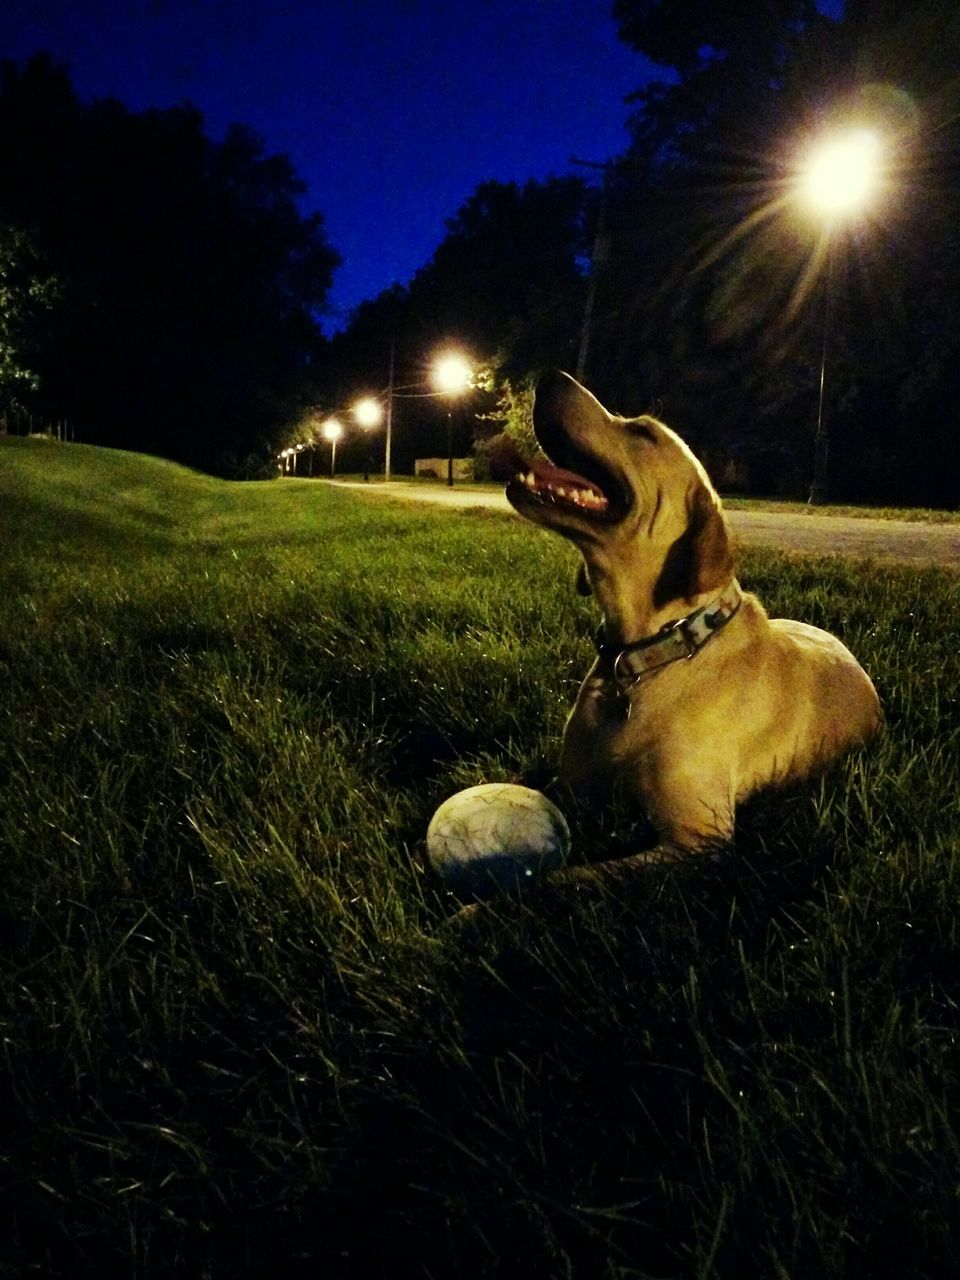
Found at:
[332, 431]
[389, 414]
[840, 177]
[367, 414]
[451, 377]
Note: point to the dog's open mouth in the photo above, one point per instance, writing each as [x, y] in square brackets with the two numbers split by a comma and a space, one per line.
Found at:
[583, 488]
[551, 484]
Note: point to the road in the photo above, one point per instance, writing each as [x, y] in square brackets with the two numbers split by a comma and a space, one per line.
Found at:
[901, 540]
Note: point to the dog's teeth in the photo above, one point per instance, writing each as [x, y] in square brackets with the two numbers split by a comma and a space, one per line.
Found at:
[548, 490]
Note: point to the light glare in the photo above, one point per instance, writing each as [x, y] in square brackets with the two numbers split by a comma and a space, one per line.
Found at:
[331, 430]
[368, 412]
[451, 373]
[843, 174]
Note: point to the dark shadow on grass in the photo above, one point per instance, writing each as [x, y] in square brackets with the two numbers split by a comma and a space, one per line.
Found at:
[540, 1107]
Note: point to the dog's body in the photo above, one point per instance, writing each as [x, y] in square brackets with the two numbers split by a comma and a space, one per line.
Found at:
[697, 698]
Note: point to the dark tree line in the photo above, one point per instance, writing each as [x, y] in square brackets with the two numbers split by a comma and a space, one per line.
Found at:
[710, 280]
[162, 291]
[187, 280]
[505, 285]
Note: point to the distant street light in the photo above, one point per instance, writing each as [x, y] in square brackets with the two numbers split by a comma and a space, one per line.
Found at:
[840, 178]
[367, 413]
[451, 377]
[332, 431]
[288, 458]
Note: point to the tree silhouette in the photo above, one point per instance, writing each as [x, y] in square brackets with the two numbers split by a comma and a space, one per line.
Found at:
[191, 280]
[27, 292]
[713, 311]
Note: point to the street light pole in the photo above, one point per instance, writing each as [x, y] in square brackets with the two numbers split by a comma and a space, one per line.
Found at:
[368, 414]
[819, 485]
[840, 178]
[451, 377]
[389, 425]
[332, 431]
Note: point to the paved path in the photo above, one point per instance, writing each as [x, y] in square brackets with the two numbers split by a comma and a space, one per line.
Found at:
[901, 540]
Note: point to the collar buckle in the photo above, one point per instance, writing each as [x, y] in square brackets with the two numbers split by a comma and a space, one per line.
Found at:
[674, 642]
[681, 630]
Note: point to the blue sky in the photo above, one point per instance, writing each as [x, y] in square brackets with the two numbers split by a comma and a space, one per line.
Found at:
[392, 111]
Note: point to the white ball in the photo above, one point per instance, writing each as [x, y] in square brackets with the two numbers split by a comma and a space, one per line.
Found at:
[496, 836]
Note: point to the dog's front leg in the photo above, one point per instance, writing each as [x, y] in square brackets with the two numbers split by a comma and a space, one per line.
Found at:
[591, 739]
[663, 855]
[583, 883]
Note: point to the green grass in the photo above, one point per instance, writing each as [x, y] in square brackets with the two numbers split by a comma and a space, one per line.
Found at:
[244, 1034]
[914, 515]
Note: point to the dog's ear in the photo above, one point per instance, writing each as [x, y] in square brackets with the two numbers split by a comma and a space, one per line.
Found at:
[583, 582]
[712, 558]
[700, 560]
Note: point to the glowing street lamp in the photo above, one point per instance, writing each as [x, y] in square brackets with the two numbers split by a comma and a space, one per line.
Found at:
[843, 174]
[451, 377]
[288, 458]
[332, 431]
[840, 178]
[367, 413]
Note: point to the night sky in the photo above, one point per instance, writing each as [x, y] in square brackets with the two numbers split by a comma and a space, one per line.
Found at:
[392, 111]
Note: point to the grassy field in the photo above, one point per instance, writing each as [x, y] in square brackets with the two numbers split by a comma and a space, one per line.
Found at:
[245, 1035]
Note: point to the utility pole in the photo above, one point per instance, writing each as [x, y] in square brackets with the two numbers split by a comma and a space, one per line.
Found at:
[386, 459]
[819, 487]
[597, 258]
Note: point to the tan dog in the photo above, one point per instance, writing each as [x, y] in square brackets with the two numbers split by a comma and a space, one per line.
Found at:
[697, 698]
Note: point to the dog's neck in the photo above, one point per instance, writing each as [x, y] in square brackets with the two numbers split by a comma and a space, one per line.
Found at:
[633, 621]
[682, 636]
[637, 617]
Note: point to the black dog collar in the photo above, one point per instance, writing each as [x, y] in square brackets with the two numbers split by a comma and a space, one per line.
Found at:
[679, 639]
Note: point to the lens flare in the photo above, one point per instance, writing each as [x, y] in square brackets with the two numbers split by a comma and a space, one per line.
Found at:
[843, 174]
[368, 412]
[451, 374]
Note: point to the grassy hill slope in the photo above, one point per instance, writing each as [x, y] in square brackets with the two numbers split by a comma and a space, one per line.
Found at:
[243, 1032]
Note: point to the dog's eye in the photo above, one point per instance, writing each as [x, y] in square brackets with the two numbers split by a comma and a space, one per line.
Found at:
[642, 429]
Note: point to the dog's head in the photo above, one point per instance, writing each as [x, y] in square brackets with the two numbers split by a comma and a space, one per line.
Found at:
[628, 492]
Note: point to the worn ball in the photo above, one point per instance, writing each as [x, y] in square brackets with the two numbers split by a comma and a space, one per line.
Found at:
[496, 836]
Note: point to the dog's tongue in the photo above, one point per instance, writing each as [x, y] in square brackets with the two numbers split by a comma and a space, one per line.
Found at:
[547, 472]
[552, 483]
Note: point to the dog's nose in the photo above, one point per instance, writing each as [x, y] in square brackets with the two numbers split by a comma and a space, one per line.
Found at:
[561, 400]
[553, 389]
